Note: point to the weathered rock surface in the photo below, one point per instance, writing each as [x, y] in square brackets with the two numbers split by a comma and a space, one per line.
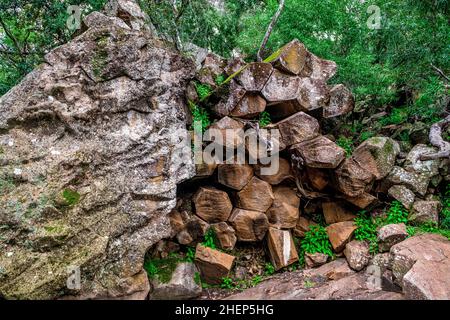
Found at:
[319, 152]
[377, 155]
[340, 234]
[284, 211]
[302, 226]
[181, 286]
[318, 284]
[428, 280]
[414, 181]
[280, 87]
[357, 254]
[212, 205]
[284, 172]
[313, 260]
[255, 75]
[234, 176]
[298, 128]
[362, 201]
[249, 225]
[391, 234]
[352, 178]
[281, 248]
[402, 194]
[334, 212]
[213, 264]
[413, 163]
[250, 106]
[256, 195]
[341, 102]
[225, 235]
[91, 136]
[290, 58]
[226, 132]
[427, 247]
[425, 211]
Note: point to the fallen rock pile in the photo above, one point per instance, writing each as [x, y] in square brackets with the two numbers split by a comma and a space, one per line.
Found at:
[315, 175]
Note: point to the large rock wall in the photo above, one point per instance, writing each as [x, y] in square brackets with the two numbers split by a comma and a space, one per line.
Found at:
[88, 169]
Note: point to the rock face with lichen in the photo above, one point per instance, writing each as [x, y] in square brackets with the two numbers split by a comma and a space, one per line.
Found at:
[88, 161]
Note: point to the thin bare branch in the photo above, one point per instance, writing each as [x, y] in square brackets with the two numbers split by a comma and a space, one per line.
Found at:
[269, 30]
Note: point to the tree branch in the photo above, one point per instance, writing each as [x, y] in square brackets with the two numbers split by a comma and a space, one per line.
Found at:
[440, 72]
[269, 30]
[437, 141]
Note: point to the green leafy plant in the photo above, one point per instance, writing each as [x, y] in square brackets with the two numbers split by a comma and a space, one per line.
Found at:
[397, 116]
[445, 213]
[210, 239]
[256, 280]
[190, 254]
[220, 79]
[396, 213]
[197, 278]
[200, 117]
[269, 269]
[161, 269]
[227, 283]
[203, 90]
[366, 135]
[316, 241]
[367, 230]
[264, 119]
[346, 144]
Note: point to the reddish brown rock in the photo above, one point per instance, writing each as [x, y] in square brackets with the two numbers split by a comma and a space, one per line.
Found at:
[284, 212]
[319, 152]
[213, 264]
[250, 106]
[255, 75]
[298, 128]
[428, 280]
[362, 201]
[341, 102]
[390, 235]
[284, 172]
[313, 260]
[357, 254]
[334, 212]
[302, 226]
[225, 235]
[280, 87]
[290, 58]
[351, 178]
[249, 225]
[234, 176]
[212, 205]
[340, 234]
[256, 195]
[281, 248]
[263, 144]
[228, 130]
[318, 179]
[421, 265]
[204, 170]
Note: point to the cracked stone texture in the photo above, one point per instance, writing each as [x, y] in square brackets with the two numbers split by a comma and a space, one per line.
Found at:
[89, 162]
